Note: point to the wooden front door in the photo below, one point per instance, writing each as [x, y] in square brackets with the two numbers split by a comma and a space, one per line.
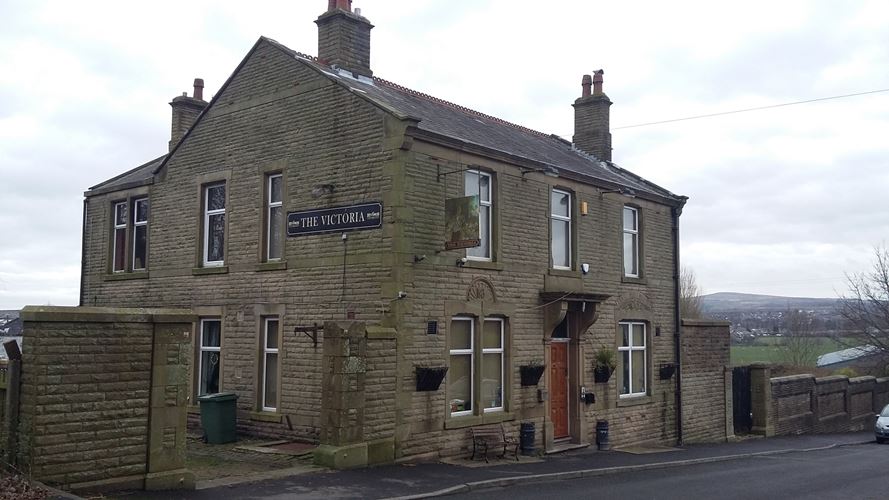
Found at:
[559, 389]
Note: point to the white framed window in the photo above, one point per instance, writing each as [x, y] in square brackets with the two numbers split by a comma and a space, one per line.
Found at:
[214, 225]
[492, 364]
[560, 221]
[274, 231]
[634, 359]
[465, 367]
[119, 250]
[209, 354]
[631, 241]
[270, 340]
[480, 183]
[140, 234]
[460, 373]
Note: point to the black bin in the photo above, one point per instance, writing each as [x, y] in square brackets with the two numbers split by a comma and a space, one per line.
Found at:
[526, 438]
[602, 435]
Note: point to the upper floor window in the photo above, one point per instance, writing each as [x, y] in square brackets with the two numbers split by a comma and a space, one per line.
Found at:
[633, 360]
[130, 239]
[120, 237]
[480, 183]
[214, 225]
[631, 242]
[274, 233]
[140, 234]
[560, 218]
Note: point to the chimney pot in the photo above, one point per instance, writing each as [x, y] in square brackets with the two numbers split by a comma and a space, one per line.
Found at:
[199, 89]
[345, 5]
[597, 82]
[586, 82]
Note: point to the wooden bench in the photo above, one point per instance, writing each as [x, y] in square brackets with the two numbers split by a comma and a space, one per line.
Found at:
[489, 437]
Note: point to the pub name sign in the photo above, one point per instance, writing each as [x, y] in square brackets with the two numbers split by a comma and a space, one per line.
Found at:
[334, 220]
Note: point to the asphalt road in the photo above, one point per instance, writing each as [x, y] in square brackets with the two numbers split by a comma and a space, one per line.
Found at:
[848, 472]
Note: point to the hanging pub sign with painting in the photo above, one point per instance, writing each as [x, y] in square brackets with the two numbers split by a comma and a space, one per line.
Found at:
[335, 220]
[461, 223]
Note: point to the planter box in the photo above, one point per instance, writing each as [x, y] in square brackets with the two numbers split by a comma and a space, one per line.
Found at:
[667, 371]
[531, 374]
[602, 375]
[429, 379]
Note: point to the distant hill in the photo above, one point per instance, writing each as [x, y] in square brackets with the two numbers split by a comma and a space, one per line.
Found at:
[765, 313]
[748, 302]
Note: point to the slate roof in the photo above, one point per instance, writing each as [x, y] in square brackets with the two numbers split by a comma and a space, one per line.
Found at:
[136, 176]
[454, 121]
[443, 118]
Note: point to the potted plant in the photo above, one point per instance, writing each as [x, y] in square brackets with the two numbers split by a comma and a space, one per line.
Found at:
[429, 378]
[532, 372]
[605, 365]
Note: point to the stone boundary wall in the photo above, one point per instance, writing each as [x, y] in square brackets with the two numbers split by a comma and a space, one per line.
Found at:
[706, 381]
[104, 395]
[804, 404]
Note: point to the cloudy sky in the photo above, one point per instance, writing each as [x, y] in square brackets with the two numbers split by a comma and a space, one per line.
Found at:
[783, 201]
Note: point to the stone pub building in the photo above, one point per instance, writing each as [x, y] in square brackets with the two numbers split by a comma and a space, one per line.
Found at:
[301, 214]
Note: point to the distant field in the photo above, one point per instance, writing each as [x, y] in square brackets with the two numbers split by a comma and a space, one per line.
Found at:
[768, 350]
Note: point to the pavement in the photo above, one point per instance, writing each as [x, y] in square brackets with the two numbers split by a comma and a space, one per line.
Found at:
[426, 480]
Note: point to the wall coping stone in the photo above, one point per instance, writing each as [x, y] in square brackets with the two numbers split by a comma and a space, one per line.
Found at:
[794, 378]
[67, 314]
[830, 379]
[704, 322]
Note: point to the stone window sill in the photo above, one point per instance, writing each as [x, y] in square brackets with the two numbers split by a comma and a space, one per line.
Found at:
[493, 417]
[636, 281]
[565, 273]
[266, 416]
[200, 271]
[136, 275]
[483, 264]
[633, 401]
[276, 265]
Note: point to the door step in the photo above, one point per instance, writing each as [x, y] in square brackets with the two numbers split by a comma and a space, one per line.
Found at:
[562, 447]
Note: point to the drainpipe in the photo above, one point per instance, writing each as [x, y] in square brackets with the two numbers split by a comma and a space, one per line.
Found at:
[677, 335]
[82, 252]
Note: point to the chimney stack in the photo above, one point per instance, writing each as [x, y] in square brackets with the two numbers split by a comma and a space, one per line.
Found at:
[344, 38]
[592, 128]
[185, 112]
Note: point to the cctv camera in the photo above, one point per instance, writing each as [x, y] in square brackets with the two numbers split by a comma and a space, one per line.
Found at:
[402, 295]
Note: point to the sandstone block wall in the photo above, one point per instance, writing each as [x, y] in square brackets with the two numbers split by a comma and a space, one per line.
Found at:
[804, 404]
[103, 399]
[706, 381]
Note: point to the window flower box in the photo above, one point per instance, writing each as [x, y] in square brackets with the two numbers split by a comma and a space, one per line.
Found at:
[429, 378]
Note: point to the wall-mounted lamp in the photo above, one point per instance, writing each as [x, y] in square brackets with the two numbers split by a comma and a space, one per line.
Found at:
[322, 190]
[461, 262]
[547, 171]
[629, 193]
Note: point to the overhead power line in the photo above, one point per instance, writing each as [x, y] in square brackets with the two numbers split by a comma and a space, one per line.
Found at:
[758, 108]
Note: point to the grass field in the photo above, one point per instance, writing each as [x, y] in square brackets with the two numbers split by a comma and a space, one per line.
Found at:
[768, 350]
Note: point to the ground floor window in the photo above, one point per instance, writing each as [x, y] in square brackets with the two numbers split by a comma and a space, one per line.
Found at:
[270, 364]
[634, 377]
[209, 356]
[476, 355]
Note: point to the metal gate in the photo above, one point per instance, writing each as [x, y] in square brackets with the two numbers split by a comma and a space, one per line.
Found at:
[741, 399]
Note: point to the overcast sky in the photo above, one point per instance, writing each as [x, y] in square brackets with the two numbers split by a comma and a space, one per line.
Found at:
[782, 201]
